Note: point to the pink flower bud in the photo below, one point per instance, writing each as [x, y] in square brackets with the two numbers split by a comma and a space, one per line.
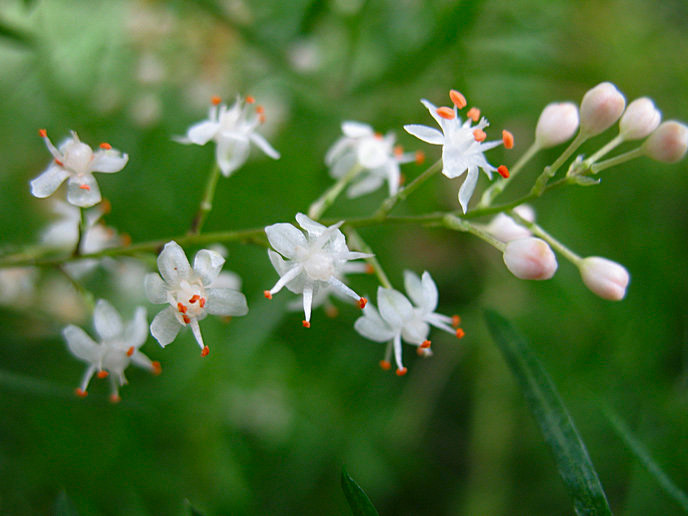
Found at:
[530, 258]
[640, 119]
[557, 123]
[600, 108]
[506, 229]
[668, 143]
[604, 277]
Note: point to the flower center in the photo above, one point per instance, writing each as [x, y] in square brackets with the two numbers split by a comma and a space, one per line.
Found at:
[319, 266]
[189, 299]
[77, 157]
[373, 152]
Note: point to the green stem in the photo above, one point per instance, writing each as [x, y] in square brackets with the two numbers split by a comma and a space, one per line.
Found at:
[541, 182]
[85, 294]
[81, 232]
[455, 223]
[322, 203]
[402, 194]
[207, 202]
[617, 160]
[357, 242]
[610, 146]
[553, 242]
[498, 187]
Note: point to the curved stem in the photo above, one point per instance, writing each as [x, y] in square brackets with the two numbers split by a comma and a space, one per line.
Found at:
[617, 160]
[81, 232]
[356, 241]
[207, 202]
[322, 203]
[402, 194]
[457, 224]
[498, 187]
[556, 244]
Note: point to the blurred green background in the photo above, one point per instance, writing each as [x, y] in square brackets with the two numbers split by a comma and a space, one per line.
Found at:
[265, 423]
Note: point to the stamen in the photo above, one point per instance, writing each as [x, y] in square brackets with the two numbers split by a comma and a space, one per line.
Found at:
[385, 365]
[182, 309]
[42, 133]
[59, 162]
[201, 303]
[306, 324]
[362, 302]
[102, 374]
[105, 146]
[473, 114]
[261, 118]
[508, 139]
[267, 294]
[479, 135]
[425, 344]
[503, 171]
[402, 371]
[114, 398]
[186, 319]
[126, 239]
[157, 368]
[420, 157]
[80, 393]
[331, 311]
[420, 352]
[250, 99]
[460, 333]
[398, 150]
[456, 320]
[194, 298]
[130, 351]
[369, 269]
[402, 179]
[446, 113]
[260, 110]
[105, 206]
[205, 351]
[83, 187]
[215, 100]
[458, 99]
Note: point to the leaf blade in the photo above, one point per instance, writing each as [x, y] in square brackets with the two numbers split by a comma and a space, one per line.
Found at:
[358, 501]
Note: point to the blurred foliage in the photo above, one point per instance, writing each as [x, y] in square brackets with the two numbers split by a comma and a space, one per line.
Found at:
[264, 424]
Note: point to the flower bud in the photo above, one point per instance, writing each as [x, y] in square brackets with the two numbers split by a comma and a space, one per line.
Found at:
[600, 108]
[557, 123]
[506, 229]
[530, 258]
[640, 119]
[668, 143]
[604, 277]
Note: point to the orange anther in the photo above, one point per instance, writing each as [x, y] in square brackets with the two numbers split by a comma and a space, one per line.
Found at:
[362, 302]
[126, 239]
[130, 351]
[331, 311]
[260, 110]
[503, 171]
[306, 324]
[385, 365]
[420, 157]
[369, 269]
[80, 393]
[194, 298]
[398, 150]
[102, 374]
[83, 187]
[250, 99]
[205, 351]
[267, 294]
[261, 118]
[182, 309]
[473, 114]
[460, 333]
[479, 135]
[186, 319]
[401, 371]
[425, 344]
[420, 352]
[508, 139]
[201, 303]
[157, 368]
[105, 206]
[59, 162]
[445, 112]
[215, 100]
[114, 398]
[42, 133]
[456, 320]
[105, 146]
[458, 99]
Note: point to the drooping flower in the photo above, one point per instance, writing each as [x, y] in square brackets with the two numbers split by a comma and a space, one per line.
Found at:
[314, 261]
[190, 293]
[376, 156]
[530, 258]
[398, 319]
[77, 161]
[118, 346]
[233, 129]
[463, 144]
[604, 277]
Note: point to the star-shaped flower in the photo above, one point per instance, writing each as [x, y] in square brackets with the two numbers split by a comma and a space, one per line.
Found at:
[77, 161]
[399, 319]
[189, 293]
[463, 144]
[118, 346]
[376, 155]
[232, 129]
[314, 261]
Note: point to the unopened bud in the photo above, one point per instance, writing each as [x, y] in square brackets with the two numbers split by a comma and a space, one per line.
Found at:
[557, 123]
[640, 119]
[506, 229]
[530, 258]
[668, 143]
[604, 277]
[600, 108]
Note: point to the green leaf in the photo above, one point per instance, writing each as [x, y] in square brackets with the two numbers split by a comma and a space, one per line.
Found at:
[192, 510]
[573, 461]
[358, 501]
[64, 506]
[646, 460]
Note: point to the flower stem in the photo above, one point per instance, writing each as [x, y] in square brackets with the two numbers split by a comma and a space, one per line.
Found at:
[610, 146]
[553, 242]
[357, 242]
[81, 231]
[322, 203]
[453, 222]
[402, 194]
[617, 160]
[85, 294]
[548, 173]
[498, 187]
[207, 202]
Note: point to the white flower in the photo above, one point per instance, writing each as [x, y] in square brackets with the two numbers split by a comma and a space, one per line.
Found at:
[463, 144]
[314, 261]
[118, 346]
[189, 293]
[600, 108]
[232, 129]
[557, 123]
[376, 155]
[640, 119]
[530, 258]
[604, 277]
[77, 161]
[506, 229]
[668, 143]
[399, 320]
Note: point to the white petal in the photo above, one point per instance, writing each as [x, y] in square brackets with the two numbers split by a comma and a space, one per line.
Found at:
[393, 175]
[224, 301]
[107, 321]
[395, 309]
[356, 129]
[372, 327]
[284, 238]
[156, 288]
[343, 164]
[227, 279]
[425, 133]
[173, 263]
[108, 161]
[136, 331]
[429, 293]
[81, 345]
[83, 191]
[278, 262]
[413, 287]
[165, 326]
[336, 150]
[313, 228]
[231, 152]
[467, 188]
[208, 265]
[263, 145]
[368, 183]
[202, 132]
[49, 181]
